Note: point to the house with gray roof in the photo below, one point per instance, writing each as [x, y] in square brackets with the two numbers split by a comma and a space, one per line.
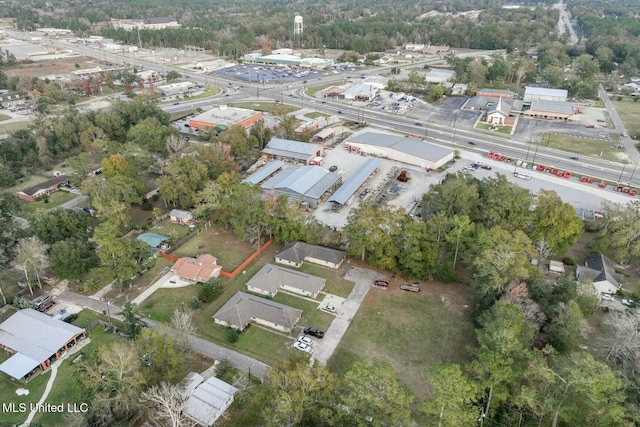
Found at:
[532, 94]
[292, 151]
[206, 400]
[405, 149]
[296, 253]
[600, 271]
[179, 216]
[308, 184]
[35, 340]
[272, 278]
[243, 308]
[266, 171]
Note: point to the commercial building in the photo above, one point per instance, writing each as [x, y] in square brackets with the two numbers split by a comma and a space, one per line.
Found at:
[224, 116]
[361, 92]
[292, 151]
[347, 191]
[497, 93]
[175, 88]
[308, 184]
[532, 94]
[413, 151]
[439, 76]
[551, 110]
[35, 340]
[287, 59]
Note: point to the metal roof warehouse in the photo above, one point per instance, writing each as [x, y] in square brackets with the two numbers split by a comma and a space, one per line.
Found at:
[351, 185]
[308, 184]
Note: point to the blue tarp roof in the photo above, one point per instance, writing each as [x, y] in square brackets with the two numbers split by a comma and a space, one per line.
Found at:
[354, 182]
[152, 239]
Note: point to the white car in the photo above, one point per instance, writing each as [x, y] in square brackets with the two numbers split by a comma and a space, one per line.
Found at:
[329, 308]
[302, 347]
[607, 297]
[628, 302]
[305, 340]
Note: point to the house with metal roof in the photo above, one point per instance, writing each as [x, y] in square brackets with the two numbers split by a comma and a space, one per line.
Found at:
[346, 192]
[410, 150]
[292, 151]
[153, 239]
[551, 110]
[272, 278]
[296, 253]
[179, 216]
[243, 308]
[206, 401]
[600, 271]
[308, 184]
[35, 340]
[532, 94]
[264, 172]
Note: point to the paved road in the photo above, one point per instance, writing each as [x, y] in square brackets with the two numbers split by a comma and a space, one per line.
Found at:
[363, 279]
[202, 346]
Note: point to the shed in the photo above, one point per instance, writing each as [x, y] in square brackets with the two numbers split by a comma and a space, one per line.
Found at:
[556, 267]
[207, 400]
[179, 216]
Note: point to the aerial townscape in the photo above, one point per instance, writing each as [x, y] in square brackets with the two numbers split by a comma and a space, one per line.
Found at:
[397, 213]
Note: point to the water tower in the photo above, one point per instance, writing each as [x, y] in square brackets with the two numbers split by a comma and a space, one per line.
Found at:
[298, 26]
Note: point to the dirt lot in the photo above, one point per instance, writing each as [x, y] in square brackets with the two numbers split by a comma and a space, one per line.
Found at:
[53, 67]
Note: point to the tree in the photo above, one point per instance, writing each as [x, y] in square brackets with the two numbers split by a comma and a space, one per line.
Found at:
[115, 165]
[72, 258]
[556, 222]
[174, 145]
[183, 322]
[299, 394]
[452, 404]
[121, 257]
[32, 258]
[210, 290]
[619, 236]
[162, 357]
[172, 75]
[61, 224]
[461, 226]
[150, 134]
[113, 379]
[261, 133]
[568, 327]
[183, 178]
[166, 402]
[133, 321]
[369, 386]
[623, 340]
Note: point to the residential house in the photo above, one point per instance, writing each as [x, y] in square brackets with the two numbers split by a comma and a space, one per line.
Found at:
[179, 216]
[243, 308]
[296, 253]
[272, 278]
[35, 340]
[10, 100]
[600, 271]
[197, 270]
[38, 191]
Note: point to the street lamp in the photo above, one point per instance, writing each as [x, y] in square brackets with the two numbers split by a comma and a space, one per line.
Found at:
[624, 165]
[455, 122]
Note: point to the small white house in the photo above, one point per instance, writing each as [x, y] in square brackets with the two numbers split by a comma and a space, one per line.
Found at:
[206, 401]
[600, 271]
[180, 217]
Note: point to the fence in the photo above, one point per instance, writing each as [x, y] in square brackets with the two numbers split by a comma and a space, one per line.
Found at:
[246, 262]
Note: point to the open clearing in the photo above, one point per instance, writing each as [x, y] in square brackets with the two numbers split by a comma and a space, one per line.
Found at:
[604, 149]
[629, 112]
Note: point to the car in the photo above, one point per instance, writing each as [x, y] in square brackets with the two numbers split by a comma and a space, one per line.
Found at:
[302, 347]
[487, 167]
[339, 111]
[187, 125]
[601, 121]
[333, 168]
[305, 340]
[591, 126]
[363, 194]
[323, 102]
[381, 283]
[329, 308]
[623, 134]
[628, 302]
[226, 94]
[418, 123]
[313, 332]
[573, 157]
[607, 297]
[471, 143]
[176, 103]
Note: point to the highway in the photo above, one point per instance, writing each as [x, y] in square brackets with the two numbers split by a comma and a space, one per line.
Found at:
[442, 134]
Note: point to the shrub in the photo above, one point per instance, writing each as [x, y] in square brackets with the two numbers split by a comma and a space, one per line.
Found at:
[568, 261]
[155, 197]
[146, 206]
[224, 366]
[71, 318]
[233, 335]
[195, 303]
[210, 290]
[21, 302]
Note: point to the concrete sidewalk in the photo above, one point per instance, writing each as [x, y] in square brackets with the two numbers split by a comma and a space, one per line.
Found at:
[197, 344]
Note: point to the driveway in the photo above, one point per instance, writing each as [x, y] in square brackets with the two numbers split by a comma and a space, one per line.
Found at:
[363, 278]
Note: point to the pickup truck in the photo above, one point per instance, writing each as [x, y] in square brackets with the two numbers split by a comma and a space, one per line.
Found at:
[411, 287]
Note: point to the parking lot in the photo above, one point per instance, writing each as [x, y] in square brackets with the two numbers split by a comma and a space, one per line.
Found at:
[264, 73]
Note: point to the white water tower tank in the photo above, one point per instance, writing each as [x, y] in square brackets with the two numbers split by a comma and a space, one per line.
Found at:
[298, 25]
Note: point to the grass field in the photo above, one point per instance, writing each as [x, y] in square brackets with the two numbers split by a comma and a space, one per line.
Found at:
[13, 127]
[629, 113]
[410, 331]
[311, 91]
[502, 129]
[4, 117]
[584, 146]
[269, 107]
[220, 243]
[315, 115]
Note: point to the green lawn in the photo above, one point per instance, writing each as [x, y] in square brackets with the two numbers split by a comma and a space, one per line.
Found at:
[269, 107]
[583, 146]
[311, 91]
[335, 283]
[13, 127]
[181, 114]
[502, 129]
[8, 389]
[315, 115]
[311, 314]
[410, 331]
[55, 199]
[629, 112]
[4, 117]
[161, 305]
